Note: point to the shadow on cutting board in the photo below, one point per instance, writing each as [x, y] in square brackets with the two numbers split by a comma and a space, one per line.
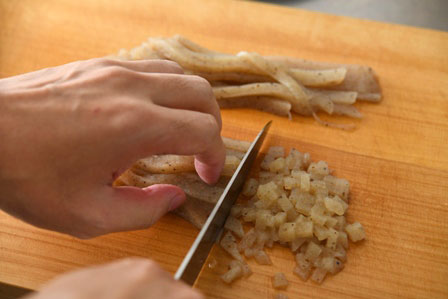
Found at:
[8, 291]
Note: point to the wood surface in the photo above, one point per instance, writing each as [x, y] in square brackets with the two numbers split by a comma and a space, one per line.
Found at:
[396, 161]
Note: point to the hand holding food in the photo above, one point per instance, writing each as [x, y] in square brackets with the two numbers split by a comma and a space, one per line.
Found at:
[68, 132]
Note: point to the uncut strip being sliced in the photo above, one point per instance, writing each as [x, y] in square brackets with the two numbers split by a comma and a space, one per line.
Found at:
[179, 171]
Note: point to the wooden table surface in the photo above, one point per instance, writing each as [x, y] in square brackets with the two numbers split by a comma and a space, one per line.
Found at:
[396, 161]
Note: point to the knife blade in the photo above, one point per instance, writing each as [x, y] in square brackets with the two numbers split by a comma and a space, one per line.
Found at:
[192, 264]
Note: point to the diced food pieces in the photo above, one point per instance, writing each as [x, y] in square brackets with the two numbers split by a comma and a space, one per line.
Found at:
[280, 296]
[294, 159]
[289, 183]
[337, 186]
[250, 187]
[304, 227]
[317, 214]
[312, 251]
[304, 201]
[232, 274]
[248, 240]
[268, 193]
[318, 275]
[332, 238]
[335, 205]
[246, 270]
[342, 239]
[300, 205]
[262, 258]
[285, 204]
[287, 232]
[249, 214]
[228, 243]
[355, 232]
[279, 281]
[279, 219]
[236, 211]
[319, 170]
[278, 165]
[264, 219]
[234, 225]
[304, 274]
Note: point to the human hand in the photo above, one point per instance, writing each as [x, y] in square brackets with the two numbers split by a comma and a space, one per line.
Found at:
[67, 132]
[125, 279]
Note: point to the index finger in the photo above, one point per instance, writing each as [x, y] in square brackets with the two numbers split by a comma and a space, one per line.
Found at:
[186, 132]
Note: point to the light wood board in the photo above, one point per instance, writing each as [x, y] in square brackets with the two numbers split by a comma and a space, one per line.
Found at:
[396, 161]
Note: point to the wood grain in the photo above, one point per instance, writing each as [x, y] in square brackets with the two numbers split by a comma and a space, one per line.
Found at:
[396, 161]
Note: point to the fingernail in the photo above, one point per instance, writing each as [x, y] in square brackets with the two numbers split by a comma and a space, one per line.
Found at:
[177, 200]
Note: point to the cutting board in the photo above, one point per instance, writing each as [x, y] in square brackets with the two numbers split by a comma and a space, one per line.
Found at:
[396, 159]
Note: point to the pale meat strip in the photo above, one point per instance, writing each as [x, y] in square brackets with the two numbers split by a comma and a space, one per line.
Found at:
[194, 211]
[358, 78]
[159, 164]
[238, 145]
[189, 182]
[266, 104]
[300, 96]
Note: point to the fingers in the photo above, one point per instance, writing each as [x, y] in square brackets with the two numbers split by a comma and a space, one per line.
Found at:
[136, 278]
[148, 66]
[183, 92]
[130, 208]
[186, 132]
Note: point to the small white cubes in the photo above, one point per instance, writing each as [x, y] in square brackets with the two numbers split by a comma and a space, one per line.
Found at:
[268, 193]
[304, 227]
[355, 232]
[250, 187]
[234, 225]
[235, 272]
[335, 205]
[287, 232]
[312, 251]
[228, 243]
[262, 258]
[278, 165]
[279, 281]
[298, 204]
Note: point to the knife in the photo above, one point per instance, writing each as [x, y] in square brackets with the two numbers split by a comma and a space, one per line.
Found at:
[192, 264]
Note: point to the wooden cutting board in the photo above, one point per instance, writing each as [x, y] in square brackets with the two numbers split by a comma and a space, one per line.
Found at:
[396, 161]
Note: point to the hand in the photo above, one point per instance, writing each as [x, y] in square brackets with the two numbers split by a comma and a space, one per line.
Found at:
[125, 279]
[66, 133]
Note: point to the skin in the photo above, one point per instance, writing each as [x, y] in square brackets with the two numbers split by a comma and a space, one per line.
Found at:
[68, 132]
[144, 279]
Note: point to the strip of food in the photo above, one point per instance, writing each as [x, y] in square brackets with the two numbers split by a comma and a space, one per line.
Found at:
[180, 171]
[249, 80]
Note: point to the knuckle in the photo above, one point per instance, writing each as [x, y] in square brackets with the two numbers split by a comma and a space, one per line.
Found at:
[172, 65]
[211, 133]
[203, 86]
[189, 293]
[116, 71]
[100, 62]
[137, 262]
[209, 121]
[146, 268]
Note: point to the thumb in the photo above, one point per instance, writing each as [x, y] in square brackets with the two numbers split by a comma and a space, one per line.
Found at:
[130, 208]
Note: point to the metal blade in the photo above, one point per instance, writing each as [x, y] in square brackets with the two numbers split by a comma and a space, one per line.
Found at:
[194, 260]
